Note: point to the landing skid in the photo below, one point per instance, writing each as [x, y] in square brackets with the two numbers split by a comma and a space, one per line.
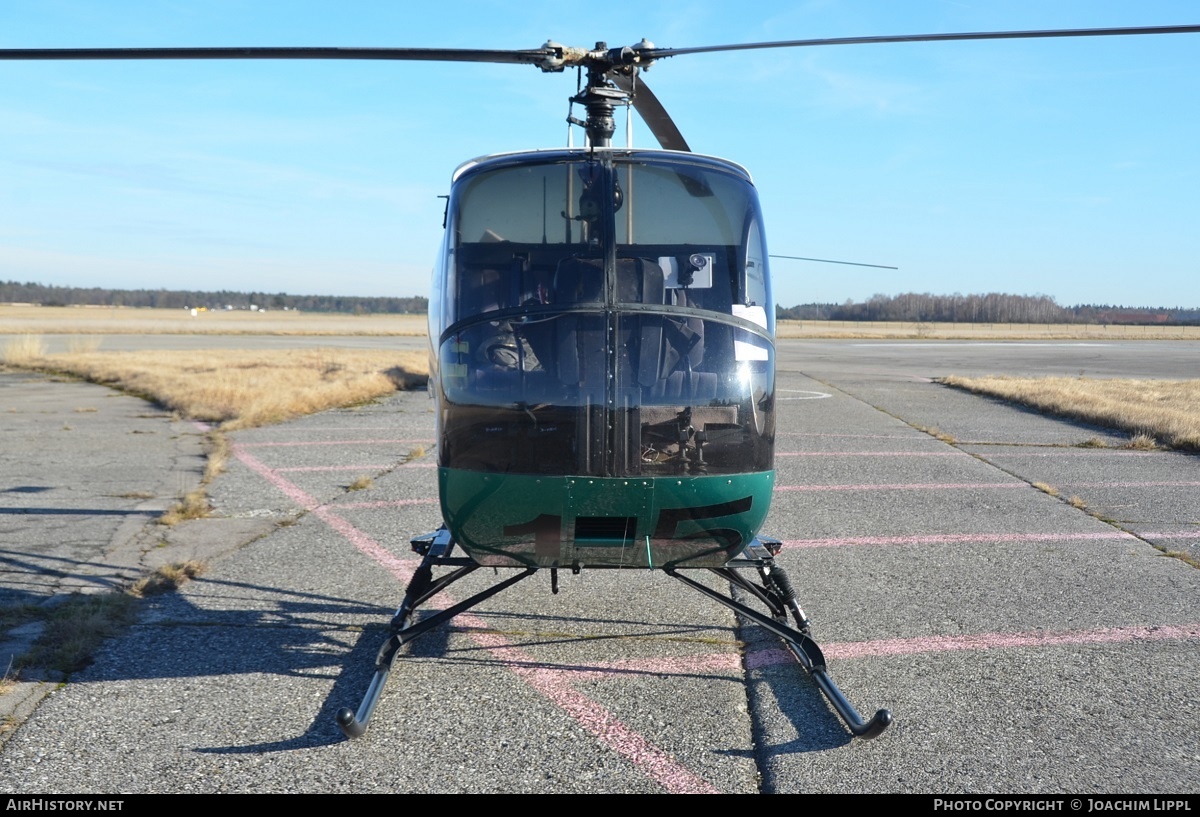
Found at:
[774, 591]
[777, 593]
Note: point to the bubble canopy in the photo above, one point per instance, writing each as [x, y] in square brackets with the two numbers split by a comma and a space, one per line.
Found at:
[604, 313]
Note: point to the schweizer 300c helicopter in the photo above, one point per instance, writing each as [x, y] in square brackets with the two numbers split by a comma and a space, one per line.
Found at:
[603, 358]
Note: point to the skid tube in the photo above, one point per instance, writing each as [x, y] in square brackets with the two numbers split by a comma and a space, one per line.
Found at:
[777, 593]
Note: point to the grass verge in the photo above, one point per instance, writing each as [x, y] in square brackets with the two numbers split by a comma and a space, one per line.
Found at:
[236, 388]
[76, 626]
[1154, 412]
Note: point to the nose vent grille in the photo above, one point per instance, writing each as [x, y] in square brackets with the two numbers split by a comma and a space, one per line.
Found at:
[620, 528]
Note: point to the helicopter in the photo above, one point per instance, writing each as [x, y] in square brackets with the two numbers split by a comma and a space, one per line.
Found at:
[602, 354]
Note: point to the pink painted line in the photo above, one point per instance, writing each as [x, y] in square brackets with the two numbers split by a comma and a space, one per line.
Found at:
[910, 437]
[593, 717]
[988, 641]
[954, 538]
[289, 489]
[678, 665]
[770, 658]
[969, 538]
[1065, 452]
[402, 569]
[287, 469]
[303, 429]
[386, 503]
[870, 454]
[1133, 484]
[365, 467]
[982, 641]
[912, 486]
[675, 666]
[295, 443]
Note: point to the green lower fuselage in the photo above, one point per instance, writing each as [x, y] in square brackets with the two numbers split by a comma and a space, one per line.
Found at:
[563, 521]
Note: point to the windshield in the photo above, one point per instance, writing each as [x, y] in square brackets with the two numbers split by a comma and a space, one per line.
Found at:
[606, 314]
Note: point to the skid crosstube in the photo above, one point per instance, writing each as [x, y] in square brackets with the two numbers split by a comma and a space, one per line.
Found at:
[774, 591]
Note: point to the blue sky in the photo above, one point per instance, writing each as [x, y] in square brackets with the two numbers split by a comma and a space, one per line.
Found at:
[1060, 167]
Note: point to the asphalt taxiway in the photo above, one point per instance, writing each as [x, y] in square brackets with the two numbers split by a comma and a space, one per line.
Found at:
[1024, 643]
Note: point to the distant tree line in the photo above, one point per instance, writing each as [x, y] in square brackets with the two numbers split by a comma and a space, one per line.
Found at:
[14, 292]
[994, 307]
[912, 307]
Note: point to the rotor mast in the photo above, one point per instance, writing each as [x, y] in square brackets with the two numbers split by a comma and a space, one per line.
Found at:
[599, 98]
[600, 95]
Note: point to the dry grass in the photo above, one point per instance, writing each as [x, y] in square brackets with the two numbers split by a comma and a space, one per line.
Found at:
[167, 578]
[239, 388]
[234, 388]
[1046, 489]
[217, 451]
[76, 627]
[938, 434]
[1077, 502]
[194, 505]
[1141, 442]
[1153, 411]
[100, 321]
[7, 682]
[1183, 556]
[980, 331]
[24, 350]
[83, 345]
[360, 484]
[97, 321]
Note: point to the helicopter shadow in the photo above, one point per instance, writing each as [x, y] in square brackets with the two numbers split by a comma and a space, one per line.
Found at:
[478, 655]
[285, 633]
[784, 701]
[351, 673]
[250, 630]
[24, 571]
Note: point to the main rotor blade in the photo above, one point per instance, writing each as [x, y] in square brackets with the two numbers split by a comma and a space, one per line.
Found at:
[652, 112]
[657, 53]
[533, 56]
[829, 261]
